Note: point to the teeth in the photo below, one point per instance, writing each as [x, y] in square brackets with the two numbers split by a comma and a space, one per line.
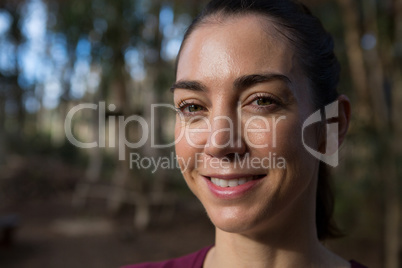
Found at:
[223, 183]
[242, 181]
[230, 183]
[233, 183]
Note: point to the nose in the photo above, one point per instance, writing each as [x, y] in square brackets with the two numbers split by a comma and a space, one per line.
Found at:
[225, 138]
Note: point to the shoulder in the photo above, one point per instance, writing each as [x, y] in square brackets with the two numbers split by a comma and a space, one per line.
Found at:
[195, 260]
[355, 264]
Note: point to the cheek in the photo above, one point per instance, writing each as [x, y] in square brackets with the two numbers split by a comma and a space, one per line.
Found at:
[186, 155]
[183, 150]
[300, 164]
[186, 147]
[276, 134]
[280, 135]
[257, 133]
[178, 132]
[192, 133]
[288, 137]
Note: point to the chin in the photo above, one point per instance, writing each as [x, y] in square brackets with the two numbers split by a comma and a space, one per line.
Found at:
[235, 220]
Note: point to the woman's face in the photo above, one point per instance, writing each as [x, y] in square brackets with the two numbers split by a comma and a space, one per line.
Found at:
[242, 100]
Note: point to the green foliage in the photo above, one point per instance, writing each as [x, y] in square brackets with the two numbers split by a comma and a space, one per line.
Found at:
[112, 28]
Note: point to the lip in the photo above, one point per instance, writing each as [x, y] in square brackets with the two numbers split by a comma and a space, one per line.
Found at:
[232, 192]
[230, 176]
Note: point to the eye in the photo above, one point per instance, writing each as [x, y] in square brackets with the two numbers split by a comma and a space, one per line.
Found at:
[192, 108]
[189, 108]
[264, 101]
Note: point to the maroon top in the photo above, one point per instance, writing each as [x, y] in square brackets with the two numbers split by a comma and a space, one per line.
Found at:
[195, 260]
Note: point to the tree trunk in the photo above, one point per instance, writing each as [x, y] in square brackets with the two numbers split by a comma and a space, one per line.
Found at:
[385, 131]
[2, 131]
[356, 59]
[372, 103]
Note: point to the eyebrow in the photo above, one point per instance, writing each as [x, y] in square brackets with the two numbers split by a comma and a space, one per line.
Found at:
[253, 79]
[190, 85]
[242, 82]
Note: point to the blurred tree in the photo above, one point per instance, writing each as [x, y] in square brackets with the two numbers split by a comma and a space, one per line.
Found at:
[109, 29]
[122, 53]
[12, 112]
[373, 42]
[115, 31]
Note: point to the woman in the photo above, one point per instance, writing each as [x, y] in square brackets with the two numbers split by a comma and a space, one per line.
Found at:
[249, 74]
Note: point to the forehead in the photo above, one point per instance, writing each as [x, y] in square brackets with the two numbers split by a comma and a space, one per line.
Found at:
[224, 48]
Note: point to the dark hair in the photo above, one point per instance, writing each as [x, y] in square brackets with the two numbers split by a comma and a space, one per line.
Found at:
[315, 56]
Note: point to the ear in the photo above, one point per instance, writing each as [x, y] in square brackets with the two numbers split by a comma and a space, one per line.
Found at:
[342, 119]
[344, 111]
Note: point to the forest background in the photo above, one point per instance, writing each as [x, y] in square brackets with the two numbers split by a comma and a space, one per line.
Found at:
[64, 206]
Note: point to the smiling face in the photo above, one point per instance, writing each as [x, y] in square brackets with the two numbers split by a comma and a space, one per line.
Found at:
[242, 100]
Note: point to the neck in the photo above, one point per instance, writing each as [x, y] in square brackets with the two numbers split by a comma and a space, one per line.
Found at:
[286, 243]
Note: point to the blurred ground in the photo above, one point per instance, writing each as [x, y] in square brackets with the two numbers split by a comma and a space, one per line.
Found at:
[52, 233]
[108, 242]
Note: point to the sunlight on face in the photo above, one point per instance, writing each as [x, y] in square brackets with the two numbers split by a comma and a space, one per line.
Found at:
[242, 101]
